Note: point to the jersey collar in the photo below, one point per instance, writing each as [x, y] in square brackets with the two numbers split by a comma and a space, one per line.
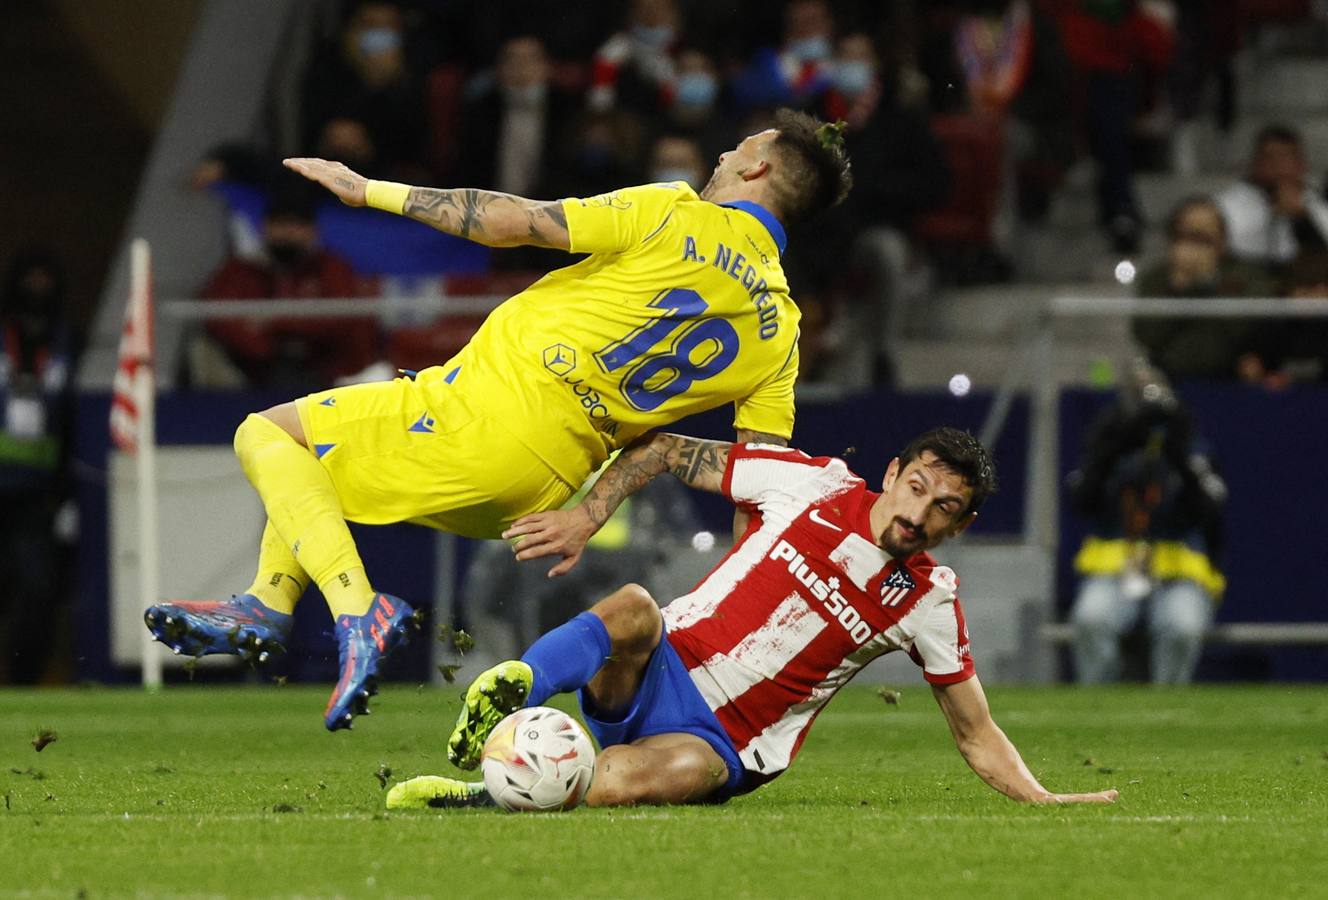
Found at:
[765, 217]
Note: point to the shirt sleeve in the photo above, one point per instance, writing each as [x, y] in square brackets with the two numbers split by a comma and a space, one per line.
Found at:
[620, 220]
[941, 646]
[756, 471]
[770, 408]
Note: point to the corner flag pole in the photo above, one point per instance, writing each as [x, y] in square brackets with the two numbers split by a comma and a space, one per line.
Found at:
[145, 399]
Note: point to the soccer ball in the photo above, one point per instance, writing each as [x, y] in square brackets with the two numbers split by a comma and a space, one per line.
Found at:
[538, 760]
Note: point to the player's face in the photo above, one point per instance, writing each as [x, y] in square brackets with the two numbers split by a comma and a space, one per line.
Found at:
[743, 160]
[920, 506]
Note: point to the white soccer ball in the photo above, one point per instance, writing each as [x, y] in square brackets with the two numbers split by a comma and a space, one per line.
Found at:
[538, 760]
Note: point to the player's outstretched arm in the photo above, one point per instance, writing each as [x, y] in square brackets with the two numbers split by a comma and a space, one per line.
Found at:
[564, 532]
[989, 752]
[491, 218]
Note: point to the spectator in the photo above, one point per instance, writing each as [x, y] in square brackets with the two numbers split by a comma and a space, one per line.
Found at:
[1275, 212]
[1155, 503]
[635, 68]
[902, 173]
[1116, 50]
[696, 110]
[1208, 36]
[797, 72]
[36, 360]
[369, 74]
[298, 352]
[1295, 350]
[347, 139]
[605, 151]
[511, 129]
[674, 158]
[1198, 264]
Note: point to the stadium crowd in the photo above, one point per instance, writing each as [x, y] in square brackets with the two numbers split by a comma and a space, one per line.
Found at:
[957, 127]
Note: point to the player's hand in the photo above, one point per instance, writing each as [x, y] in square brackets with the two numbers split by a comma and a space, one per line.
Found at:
[559, 532]
[346, 184]
[1096, 797]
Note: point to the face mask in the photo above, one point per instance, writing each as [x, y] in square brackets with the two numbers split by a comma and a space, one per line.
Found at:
[285, 254]
[852, 76]
[379, 40]
[657, 37]
[530, 95]
[696, 89]
[674, 173]
[812, 49]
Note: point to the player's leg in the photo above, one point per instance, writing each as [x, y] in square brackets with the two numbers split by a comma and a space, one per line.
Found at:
[302, 504]
[305, 510]
[660, 769]
[1101, 616]
[604, 649]
[1178, 618]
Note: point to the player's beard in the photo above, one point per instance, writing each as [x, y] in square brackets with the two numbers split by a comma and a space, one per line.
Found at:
[900, 545]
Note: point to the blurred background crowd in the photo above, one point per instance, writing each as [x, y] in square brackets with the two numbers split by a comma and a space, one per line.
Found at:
[1002, 149]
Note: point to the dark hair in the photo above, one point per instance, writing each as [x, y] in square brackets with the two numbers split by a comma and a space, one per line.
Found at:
[962, 454]
[814, 173]
[292, 196]
[1194, 201]
[1281, 134]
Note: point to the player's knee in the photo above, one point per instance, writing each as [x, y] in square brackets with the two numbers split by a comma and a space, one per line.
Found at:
[627, 775]
[632, 618]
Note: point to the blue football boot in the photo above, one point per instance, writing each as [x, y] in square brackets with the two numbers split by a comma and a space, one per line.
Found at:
[363, 642]
[242, 626]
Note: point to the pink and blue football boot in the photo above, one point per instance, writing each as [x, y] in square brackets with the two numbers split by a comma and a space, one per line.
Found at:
[241, 626]
[363, 642]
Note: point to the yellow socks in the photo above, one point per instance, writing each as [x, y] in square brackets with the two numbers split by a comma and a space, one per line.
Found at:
[303, 508]
[280, 580]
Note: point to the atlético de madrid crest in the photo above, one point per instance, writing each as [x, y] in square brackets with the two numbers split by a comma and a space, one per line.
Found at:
[896, 587]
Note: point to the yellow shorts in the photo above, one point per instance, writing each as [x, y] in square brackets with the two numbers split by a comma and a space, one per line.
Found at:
[413, 450]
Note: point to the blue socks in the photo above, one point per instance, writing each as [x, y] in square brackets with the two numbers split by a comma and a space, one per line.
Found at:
[567, 657]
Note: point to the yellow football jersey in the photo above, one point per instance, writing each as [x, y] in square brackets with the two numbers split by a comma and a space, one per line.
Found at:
[681, 306]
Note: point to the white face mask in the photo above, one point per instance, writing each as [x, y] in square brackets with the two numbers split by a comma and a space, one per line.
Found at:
[379, 40]
[811, 49]
[530, 95]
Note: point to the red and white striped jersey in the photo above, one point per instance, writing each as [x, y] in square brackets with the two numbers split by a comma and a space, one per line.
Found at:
[803, 601]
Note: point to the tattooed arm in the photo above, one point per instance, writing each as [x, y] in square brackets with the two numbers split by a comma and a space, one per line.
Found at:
[747, 436]
[696, 463]
[491, 218]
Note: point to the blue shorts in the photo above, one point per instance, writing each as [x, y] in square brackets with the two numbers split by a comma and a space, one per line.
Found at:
[667, 703]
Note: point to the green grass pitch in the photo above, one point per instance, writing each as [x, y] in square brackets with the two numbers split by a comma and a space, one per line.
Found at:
[207, 791]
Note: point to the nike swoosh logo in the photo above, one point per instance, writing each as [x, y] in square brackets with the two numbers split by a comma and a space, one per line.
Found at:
[816, 517]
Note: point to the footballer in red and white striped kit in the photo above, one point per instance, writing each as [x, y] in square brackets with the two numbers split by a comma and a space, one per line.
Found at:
[713, 695]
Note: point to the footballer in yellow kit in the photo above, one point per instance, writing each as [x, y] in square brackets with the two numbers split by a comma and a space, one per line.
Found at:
[680, 306]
